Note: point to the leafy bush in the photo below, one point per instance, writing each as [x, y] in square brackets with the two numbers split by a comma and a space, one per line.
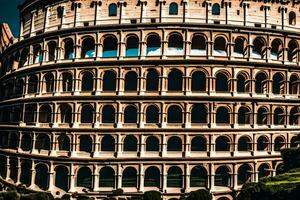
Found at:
[152, 195]
[201, 194]
[291, 158]
[10, 195]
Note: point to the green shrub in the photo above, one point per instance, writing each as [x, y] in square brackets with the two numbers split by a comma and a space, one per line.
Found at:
[201, 194]
[10, 195]
[152, 195]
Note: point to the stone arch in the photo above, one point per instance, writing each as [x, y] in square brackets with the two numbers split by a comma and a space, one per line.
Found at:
[107, 177]
[152, 144]
[293, 51]
[261, 83]
[175, 177]
[259, 47]
[87, 81]
[67, 82]
[243, 83]
[66, 113]
[25, 175]
[13, 168]
[294, 141]
[199, 81]
[129, 177]
[153, 44]
[152, 80]
[279, 116]
[30, 113]
[276, 49]
[222, 82]
[52, 50]
[131, 81]
[175, 80]
[244, 144]
[222, 115]
[37, 54]
[174, 144]
[68, 45]
[278, 83]
[244, 174]
[64, 143]
[175, 43]
[292, 18]
[294, 84]
[199, 113]
[173, 8]
[220, 46]
[244, 115]
[130, 143]
[49, 82]
[132, 46]
[26, 142]
[264, 170]
[110, 46]
[262, 116]
[152, 177]
[152, 114]
[43, 142]
[86, 143]
[263, 143]
[130, 114]
[42, 176]
[222, 176]
[24, 56]
[112, 10]
[108, 114]
[198, 46]
[199, 143]
[279, 143]
[88, 47]
[45, 114]
[87, 114]
[239, 47]
[294, 116]
[174, 114]
[108, 143]
[84, 178]
[3, 166]
[62, 177]
[109, 81]
[33, 84]
[198, 177]
[222, 143]
[216, 9]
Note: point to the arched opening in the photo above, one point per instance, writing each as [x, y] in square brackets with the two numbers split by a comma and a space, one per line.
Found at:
[130, 114]
[173, 9]
[262, 143]
[175, 44]
[278, 143]
[152, 80]
[278, 84]
[109, 81]
[293, 51]
[152, 114]
[112, 10]
[24, 57]
[174, 144]
[42, 176]
[220, 47]
[87, 83]
[108, 143]
[263, 171]
[262, 116]
[216, 9]
[84, 178]
[43, 142]
[199, 143]
[198, 177]
[52, 46]
[3, 164]
[244, 144]
[108, 114]
[69, 48]
[132, 46]
[259, 48]
[244, 174]
[67, 82]
[294, 141]
[152, 177]
[261, 83]
[13, 166]
[26, 142]
[152, 143]
[88, 48]
[174, 114]
[239, 47]
[13, 140]
[86, 143]
[222, 143]
[276, 49]
[279, 116]
[153, 45]
[222, 116]
[66, 113]
[175, 81]
[292, 18]
[19, 90]
[293, 84]
[198, 81]
[294, 116]
[129, 178]
[45, 115]
[49, 81]
[131, 81]
[30, 113]
[62, 177]
[110, 47]
[25, 176]
[222, 177]
[198, 46]
[244, 115]
[87, 114]
[242, 84]
[64, 143]
[174, 177]
[199, 114]
[130, 143]
[222, 83]
[107, 177]
[37, 54]
[32, 84]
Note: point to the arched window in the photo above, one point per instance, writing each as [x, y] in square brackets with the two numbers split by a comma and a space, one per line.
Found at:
[222, 177]
[199, 114]
[261, 83]
[87, 83]
[222, 116]
[153, 45]
[244, 144]
[152, 177]
[294, 116]
[69, 49]
[262, 143]
[129, 178]
[294, 141]
[262, 116]
[52, 46]
[62, 177]
[13, 166]
[49, 81]
[45, 115]
[222, 83]
[42, 142]
[67, 82]
[174, 177]
[107, 177]
[132, 46]
[244, 115]
[293, 51]
[263, 170]
[109, 81]
[279, 116]
[37, 54]
[244, 174]
[152, 80]
[242, 84]
[175, 44]
[88, 48]
[30, 113]
[239, 47]
[25, 176]
[292, 18]
[278, 84]
[222, 143]
[294, 84]
[26, 142]
[108, 114]
[152, 144]
[130, 114]
[174, 114]
[87, 114]
[279, 143]
[174, 144]
[3, 169]
[84, 178]
[86, 143]
[32, 84]
[131, 81]
[112, 10]
[276, 49]
[24, 57]
[198, 177]
[41, 176]
[66, 113]
[19, 87]
[13, 140]
[175, 81]
[198, 81]
[64, 143]
[216, 9]
[108, 143]
[199, 143]
[198, 46]
[220, 47]
[173, 9]
[259, 45]
[130, 143]
[110, 47]
[152, 114]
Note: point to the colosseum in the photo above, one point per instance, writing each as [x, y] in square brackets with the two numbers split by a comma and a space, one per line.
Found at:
[165, 95]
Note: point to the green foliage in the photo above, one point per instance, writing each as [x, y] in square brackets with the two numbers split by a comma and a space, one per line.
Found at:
[117, 192]
[291, 158]
[201, 194]
[37, 196]
[10, 195]
[152, 195]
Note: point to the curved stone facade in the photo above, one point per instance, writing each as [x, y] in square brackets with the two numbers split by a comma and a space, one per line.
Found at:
[170, 96]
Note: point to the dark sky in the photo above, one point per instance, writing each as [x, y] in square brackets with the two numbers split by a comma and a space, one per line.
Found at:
[9, 13]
